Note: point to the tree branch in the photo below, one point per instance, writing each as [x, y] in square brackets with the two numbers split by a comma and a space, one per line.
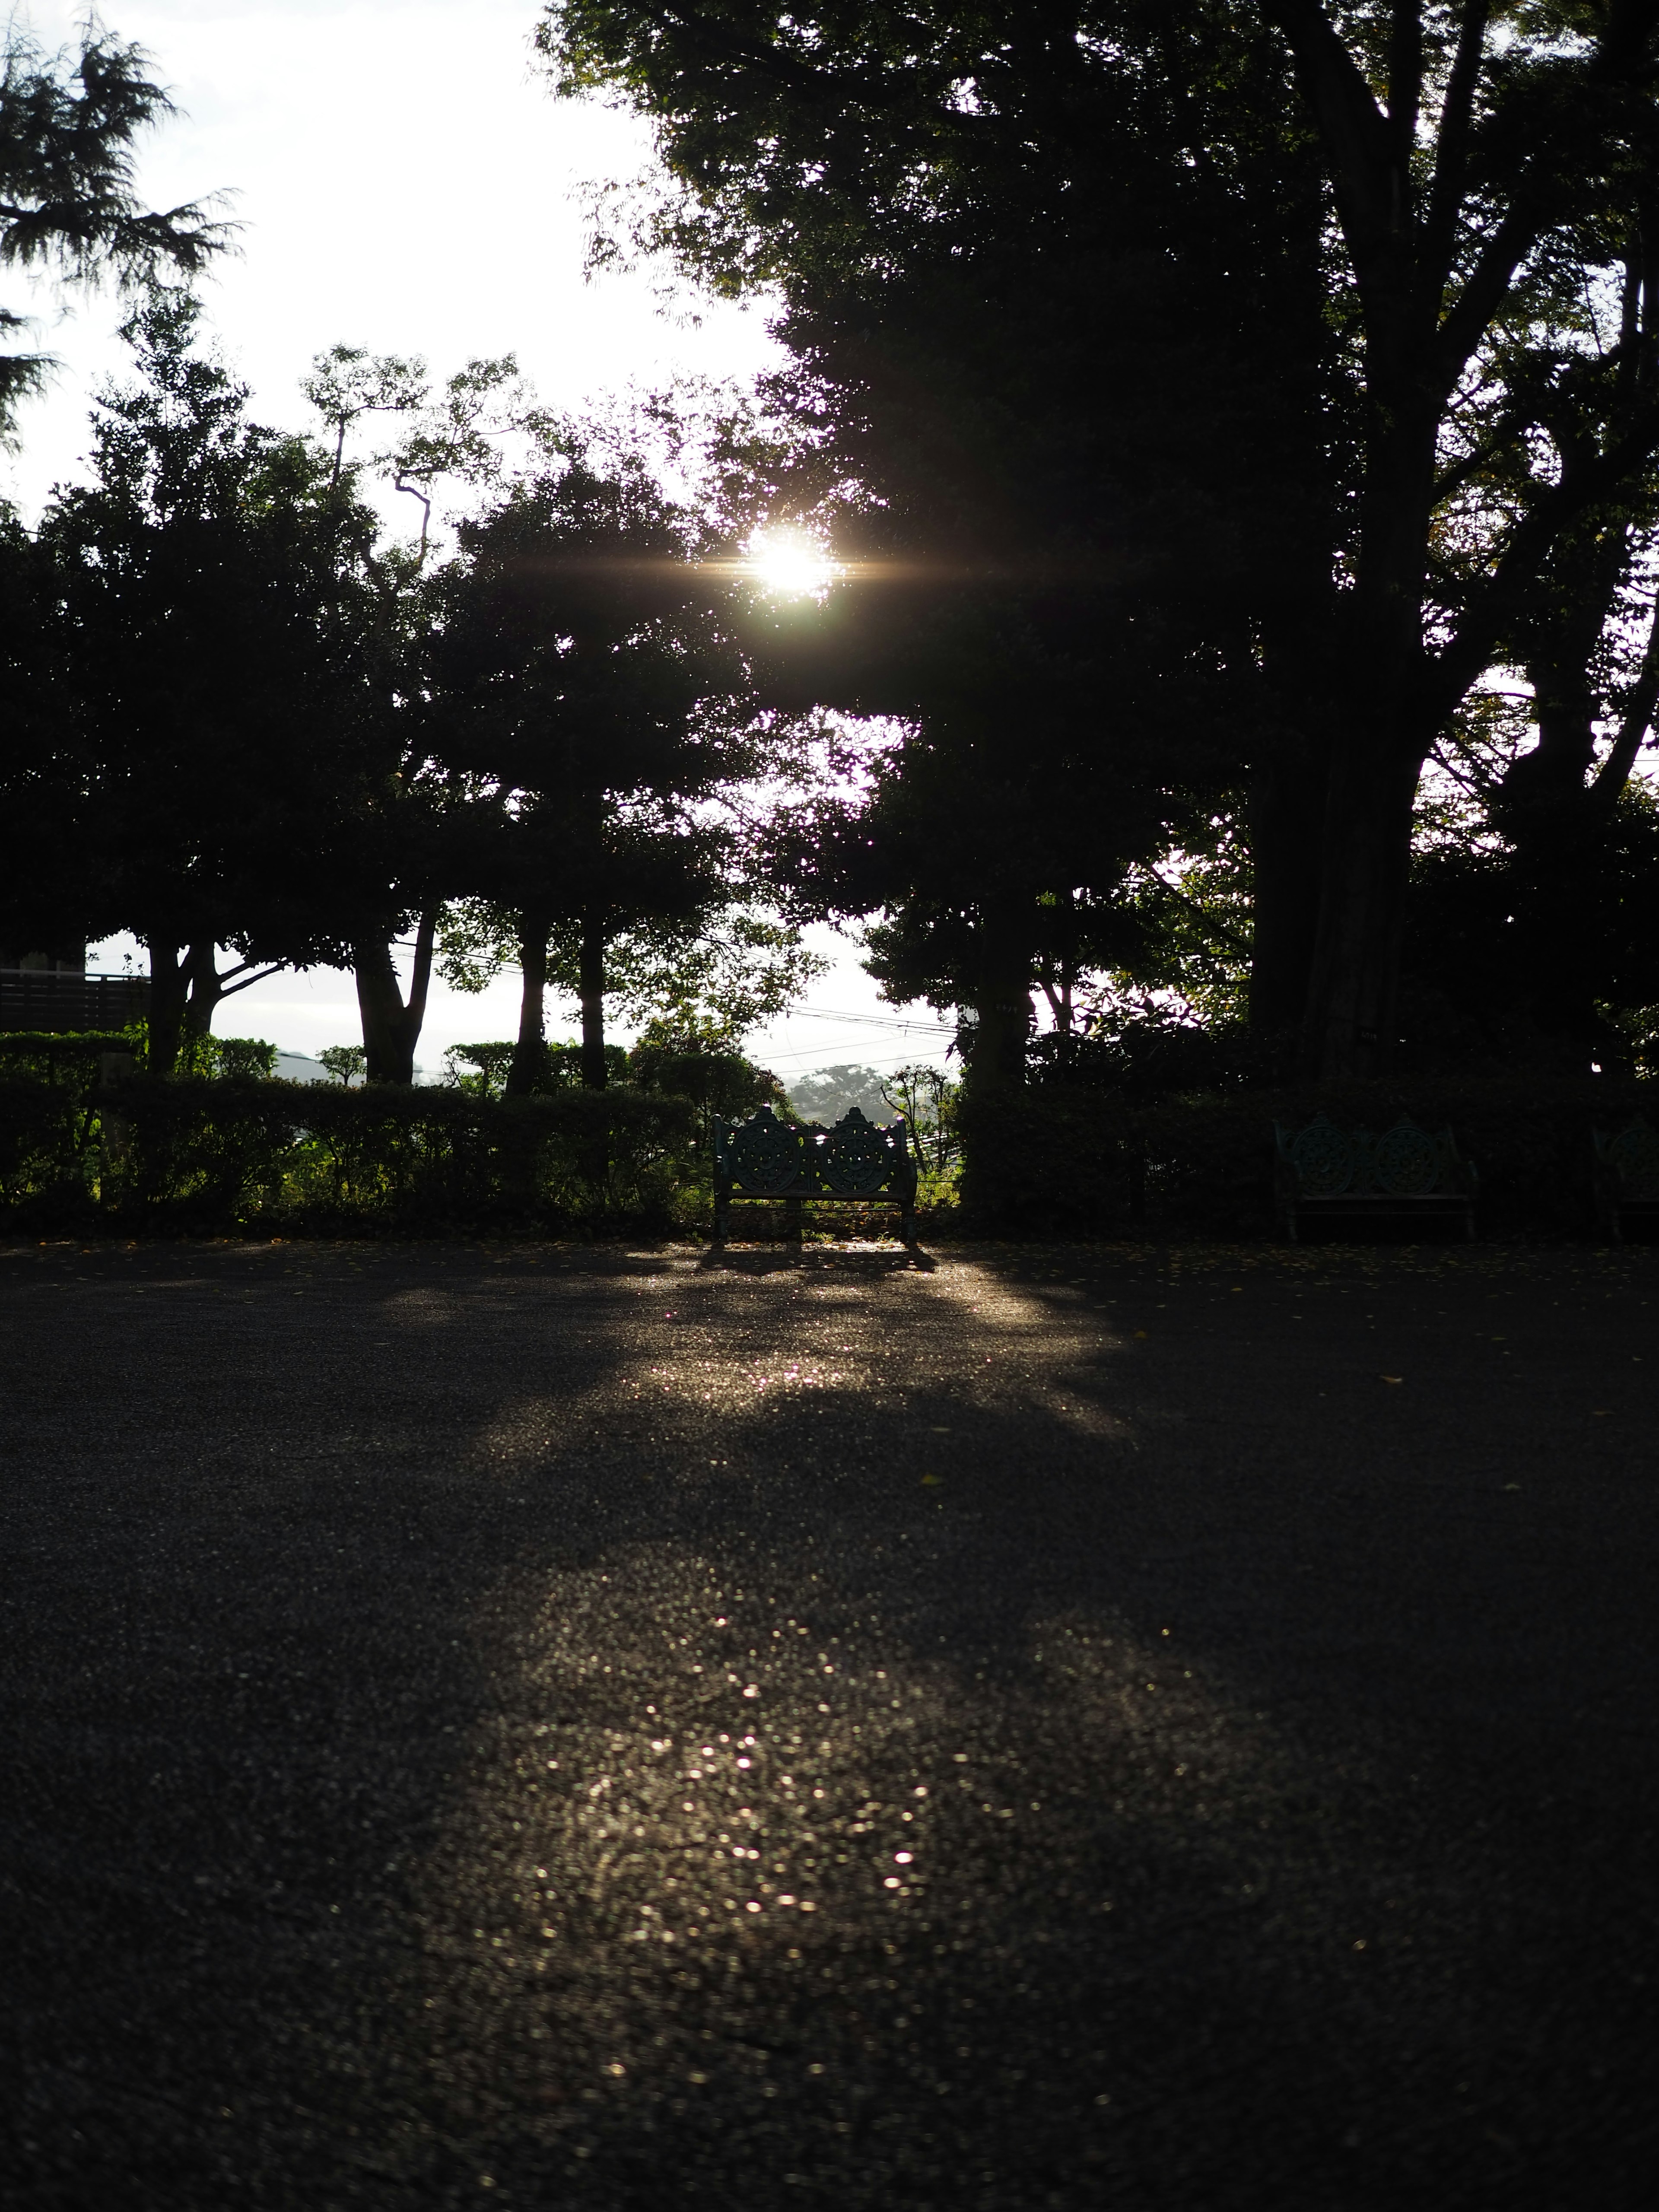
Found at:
[1357, 134]
[1451, 157]
[1472, 646]
[228, 990]
[1405, 76]
[1634, 724]
[800, 78]
[1467, 321]
[420, 978]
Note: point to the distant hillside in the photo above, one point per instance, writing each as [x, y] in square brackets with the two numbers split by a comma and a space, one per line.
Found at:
[827, 1093]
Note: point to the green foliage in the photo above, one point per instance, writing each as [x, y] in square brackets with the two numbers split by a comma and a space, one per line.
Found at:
[1542, 950]
[488, 1062]
[1141, 1048]
[226, 1157]
[1065, 1160]
[69, 124]
[929, 1101]
[825, 1095]
[701, 1066]
[209, 640]
[48, 1153]
[241, 1058]
[346, 1063]
[44, 1052]
[735, 970]
[726, 973]
[564, 1065]
[1111, 382]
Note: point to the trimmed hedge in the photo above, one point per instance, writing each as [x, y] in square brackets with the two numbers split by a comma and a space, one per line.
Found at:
[1061, 1159]
[224, 1157]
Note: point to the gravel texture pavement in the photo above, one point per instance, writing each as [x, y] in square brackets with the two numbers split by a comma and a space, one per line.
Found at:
[1045, 1726]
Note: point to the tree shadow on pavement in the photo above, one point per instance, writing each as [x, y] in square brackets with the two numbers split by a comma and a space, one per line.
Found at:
[659, 1736]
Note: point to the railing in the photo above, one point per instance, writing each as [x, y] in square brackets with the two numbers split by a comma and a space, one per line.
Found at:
[37, 999]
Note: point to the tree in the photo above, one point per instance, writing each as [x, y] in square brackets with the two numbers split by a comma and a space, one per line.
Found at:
[69, 126]
[1469, 148]
[706, 979]
[927, 1098]
[825, 1095]
[1476, 161]
[214, 614]
[1067, 395]
[585, 678]
[345, 1062]
[417, 821]
[489, 1064]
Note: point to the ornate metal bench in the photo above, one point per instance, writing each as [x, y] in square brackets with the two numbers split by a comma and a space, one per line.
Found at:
[1627, 1176]
[1323, 1172]
[765, 1159]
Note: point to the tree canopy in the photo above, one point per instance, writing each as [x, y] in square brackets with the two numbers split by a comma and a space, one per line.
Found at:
[1304, 255]
[69, 124]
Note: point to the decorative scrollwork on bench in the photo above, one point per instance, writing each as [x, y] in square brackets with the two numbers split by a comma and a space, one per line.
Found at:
[764, 1156]
[1626, 1169]
[766, 1159]
[1407, 1173]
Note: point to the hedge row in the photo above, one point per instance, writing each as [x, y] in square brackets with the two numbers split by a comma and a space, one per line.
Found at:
[1060, 1159]
[219, 1157]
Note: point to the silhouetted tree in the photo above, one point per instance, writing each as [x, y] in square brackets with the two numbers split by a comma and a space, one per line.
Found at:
[586, 677]
[1067, 398]
[69, 122]
[1305, 430]
[216, 632]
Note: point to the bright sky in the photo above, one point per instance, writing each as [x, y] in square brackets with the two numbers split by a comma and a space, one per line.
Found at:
[406, 182]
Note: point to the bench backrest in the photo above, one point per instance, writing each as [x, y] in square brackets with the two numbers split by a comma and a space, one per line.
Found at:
[1404, 1162]
[764, 1158]
[1631, 1157]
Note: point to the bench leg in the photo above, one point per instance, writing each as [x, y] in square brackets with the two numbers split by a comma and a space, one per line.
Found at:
[792, 1225]
[723, 1219]
[908, 1228]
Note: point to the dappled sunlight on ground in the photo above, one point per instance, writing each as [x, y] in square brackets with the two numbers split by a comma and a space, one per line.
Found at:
[1049, 1728]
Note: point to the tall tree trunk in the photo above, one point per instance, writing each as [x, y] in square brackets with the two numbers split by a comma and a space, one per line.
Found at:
[592, 980]
[1002, 1005]
[1404, 188]
[202, 967]
[1546, 810]
[392, 1027]
[168, 986]
[993, 1075]
[1365, 843]
[1558, 809]
[1286, 820]
[530, 1053]
[1365, 854]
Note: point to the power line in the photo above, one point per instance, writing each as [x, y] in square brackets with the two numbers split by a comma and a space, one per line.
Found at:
[868, 1021]
[877, 1060]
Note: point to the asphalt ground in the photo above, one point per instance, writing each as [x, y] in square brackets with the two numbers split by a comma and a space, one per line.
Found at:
[1059, 1727]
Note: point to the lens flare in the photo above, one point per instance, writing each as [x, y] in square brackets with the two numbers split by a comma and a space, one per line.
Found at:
[787, 565]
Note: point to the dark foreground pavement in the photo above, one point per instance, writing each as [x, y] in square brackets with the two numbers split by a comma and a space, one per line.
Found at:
[527, 1728]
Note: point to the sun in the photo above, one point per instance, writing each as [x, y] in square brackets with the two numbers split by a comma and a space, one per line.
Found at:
[787, 565]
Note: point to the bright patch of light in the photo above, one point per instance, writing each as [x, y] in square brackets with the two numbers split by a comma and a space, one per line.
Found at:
[787, 565]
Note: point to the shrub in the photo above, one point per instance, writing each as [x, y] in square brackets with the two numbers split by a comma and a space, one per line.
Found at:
[219, 1157]
[1061, 1158]
[48, 1153]
[74, 1057]
[721, 1085]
